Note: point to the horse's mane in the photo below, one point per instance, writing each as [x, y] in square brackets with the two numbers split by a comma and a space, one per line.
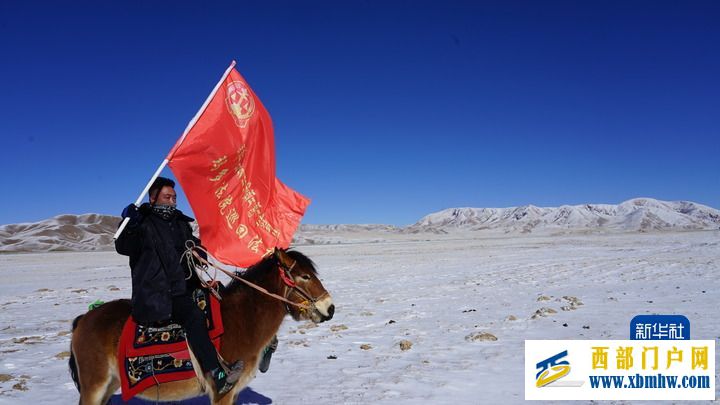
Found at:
[270, 263]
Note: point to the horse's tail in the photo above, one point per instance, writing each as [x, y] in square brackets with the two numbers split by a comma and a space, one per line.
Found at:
[71, 361]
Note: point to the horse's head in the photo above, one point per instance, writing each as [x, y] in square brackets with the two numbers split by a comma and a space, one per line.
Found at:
[303, 287]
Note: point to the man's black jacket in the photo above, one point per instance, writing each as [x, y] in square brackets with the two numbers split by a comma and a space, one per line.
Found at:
[156, 247]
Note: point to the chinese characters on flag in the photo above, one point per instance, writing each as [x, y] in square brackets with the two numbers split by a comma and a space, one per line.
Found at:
[225, 163]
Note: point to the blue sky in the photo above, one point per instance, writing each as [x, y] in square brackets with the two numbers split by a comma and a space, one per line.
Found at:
[383, 111]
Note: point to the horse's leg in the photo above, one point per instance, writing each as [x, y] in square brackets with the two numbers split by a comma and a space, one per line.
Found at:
[92, 364]
[227, 399]
[93, 372]
[114, 382]
[94, 345]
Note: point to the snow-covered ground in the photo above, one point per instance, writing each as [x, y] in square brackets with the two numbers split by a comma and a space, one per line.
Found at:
[445, 294]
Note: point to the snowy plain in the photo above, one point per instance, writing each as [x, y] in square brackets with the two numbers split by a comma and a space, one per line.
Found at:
[447, 295]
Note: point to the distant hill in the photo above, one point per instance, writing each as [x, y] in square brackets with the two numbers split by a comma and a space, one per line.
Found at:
[638, 214]
[63, 232]
[89, 232]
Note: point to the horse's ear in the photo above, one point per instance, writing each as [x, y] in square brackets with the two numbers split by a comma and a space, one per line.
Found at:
[283, 257]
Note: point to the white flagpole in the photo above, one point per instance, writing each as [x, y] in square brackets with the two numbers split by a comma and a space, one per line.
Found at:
[140, 198]
[178, 143]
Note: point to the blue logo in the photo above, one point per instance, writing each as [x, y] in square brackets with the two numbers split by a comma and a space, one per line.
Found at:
[660, 327]
[552, 369]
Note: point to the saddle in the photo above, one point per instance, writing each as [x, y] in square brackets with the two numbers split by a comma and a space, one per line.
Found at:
[158, 353]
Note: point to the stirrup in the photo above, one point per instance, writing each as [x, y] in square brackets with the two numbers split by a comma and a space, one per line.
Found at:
[230, 368]
[236, 367]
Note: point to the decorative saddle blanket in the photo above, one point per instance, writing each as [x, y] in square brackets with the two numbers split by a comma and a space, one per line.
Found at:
[152, 354]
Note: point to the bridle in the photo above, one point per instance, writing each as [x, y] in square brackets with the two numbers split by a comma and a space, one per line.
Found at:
[289, 285]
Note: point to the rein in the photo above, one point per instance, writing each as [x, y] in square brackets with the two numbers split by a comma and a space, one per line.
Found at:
[288, 283]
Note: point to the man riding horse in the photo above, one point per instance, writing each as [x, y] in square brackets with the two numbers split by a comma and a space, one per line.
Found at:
[162, 282]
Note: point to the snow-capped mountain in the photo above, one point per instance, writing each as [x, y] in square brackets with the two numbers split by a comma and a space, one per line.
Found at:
[638, 214]
[346, 227]
[95, 231]
[63, 232]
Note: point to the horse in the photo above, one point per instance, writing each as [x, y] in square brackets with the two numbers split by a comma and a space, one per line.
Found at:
[250, 317]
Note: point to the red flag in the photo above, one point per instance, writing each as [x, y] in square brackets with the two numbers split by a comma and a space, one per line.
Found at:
[225, 163]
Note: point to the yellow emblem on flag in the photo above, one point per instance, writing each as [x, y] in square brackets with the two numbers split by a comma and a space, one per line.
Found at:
[240, 103]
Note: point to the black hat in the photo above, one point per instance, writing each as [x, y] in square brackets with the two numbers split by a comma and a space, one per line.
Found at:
[159, 183]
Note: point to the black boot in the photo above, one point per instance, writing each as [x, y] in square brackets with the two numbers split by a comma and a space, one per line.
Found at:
[267, 355]
[226, 377]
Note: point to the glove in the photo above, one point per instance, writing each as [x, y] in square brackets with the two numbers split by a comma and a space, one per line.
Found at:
[131, 211]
